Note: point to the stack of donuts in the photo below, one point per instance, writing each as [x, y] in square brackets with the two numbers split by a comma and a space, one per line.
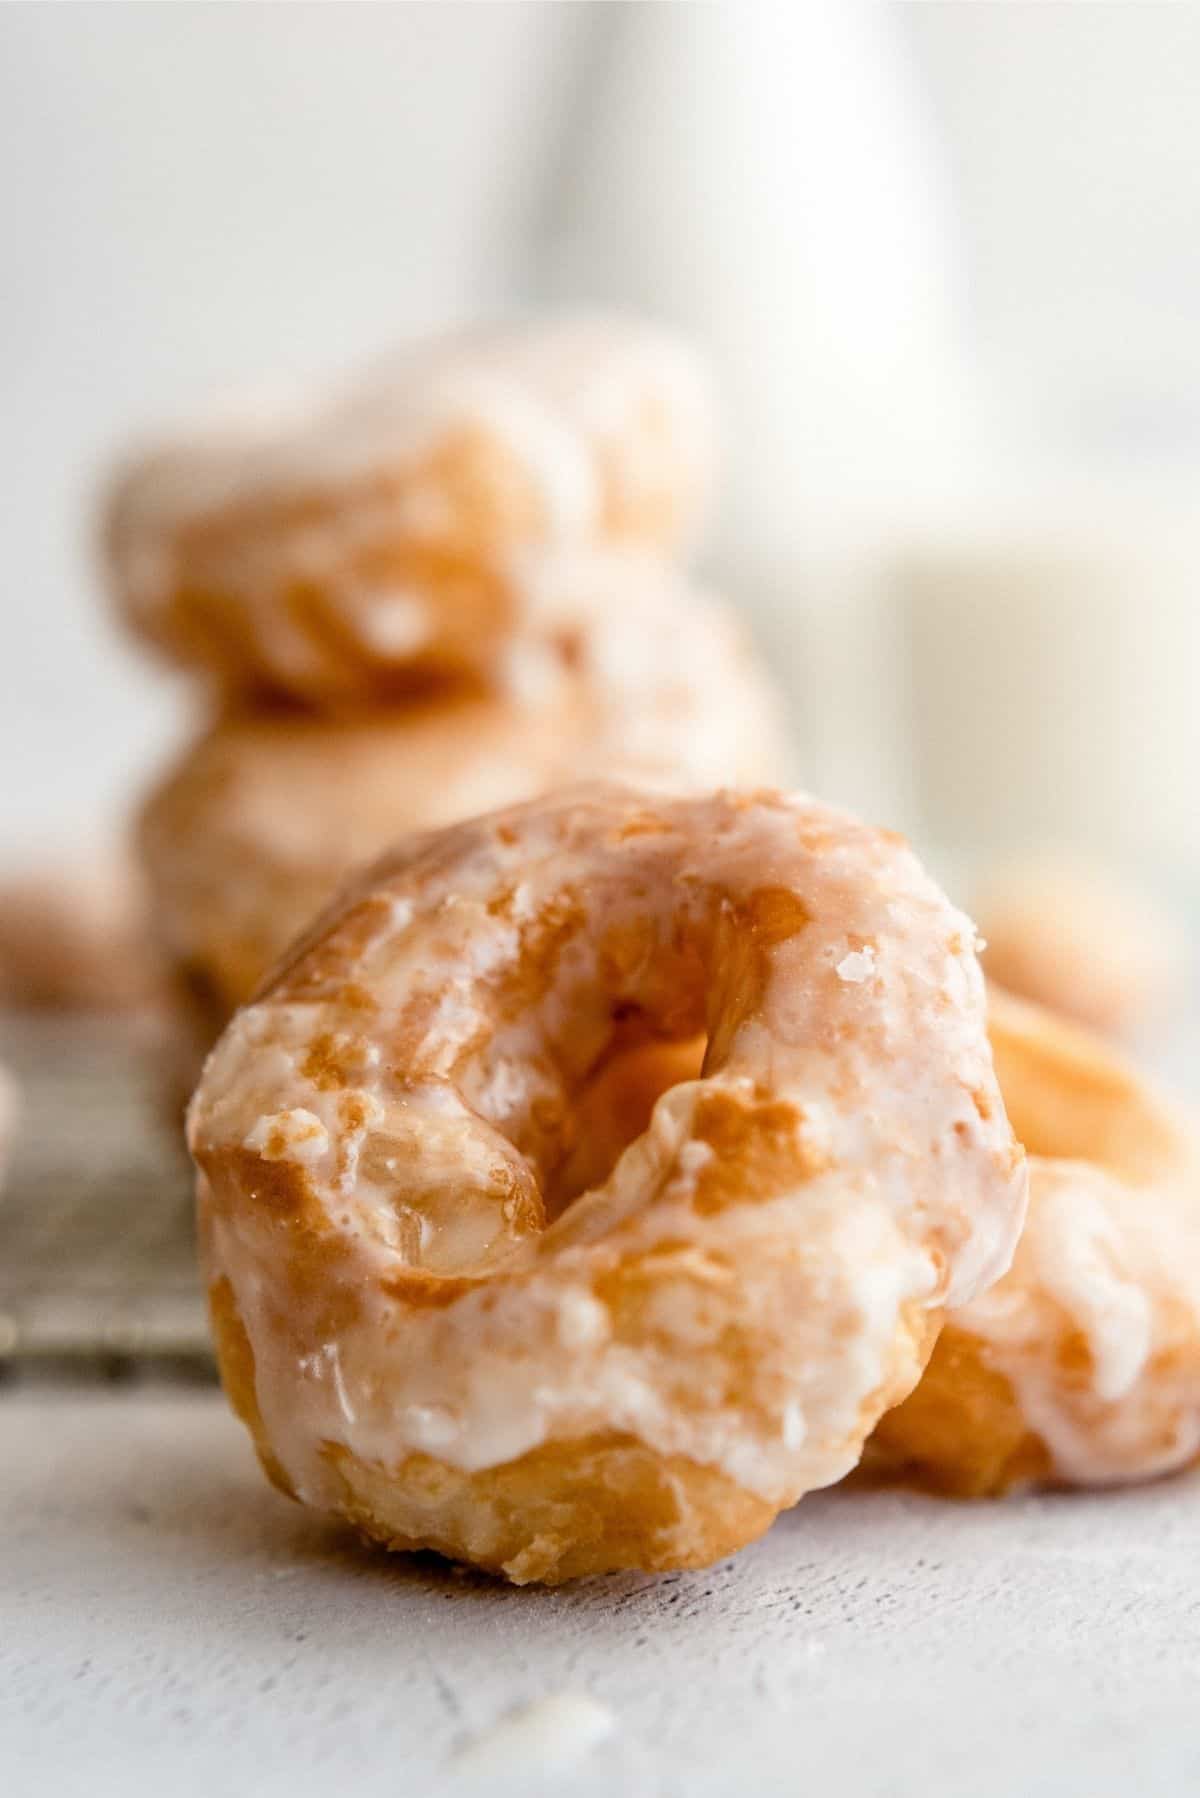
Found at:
[613, 1160]
[586, 1184]
[448, 584]
[599, 1176]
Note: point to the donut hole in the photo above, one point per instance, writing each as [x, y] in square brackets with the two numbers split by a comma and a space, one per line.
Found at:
[613, 1108]
[464, 1173]
[500, 1198]
[582, 1030]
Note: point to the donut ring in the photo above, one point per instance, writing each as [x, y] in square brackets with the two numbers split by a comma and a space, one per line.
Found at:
[74, 937]
[1074, 940]
[247, 837]
[380, 534]
[429, 1335]
[1082, 1366]
[702, 712]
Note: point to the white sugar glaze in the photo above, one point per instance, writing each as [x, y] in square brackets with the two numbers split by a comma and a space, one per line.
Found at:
[1118, 1265]
[551, 1735]
[890, 1186]
[562, 408]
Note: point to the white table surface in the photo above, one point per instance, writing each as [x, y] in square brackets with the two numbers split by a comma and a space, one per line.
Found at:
[170, 1625]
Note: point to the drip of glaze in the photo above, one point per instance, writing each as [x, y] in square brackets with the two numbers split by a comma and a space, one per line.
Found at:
[551, 1735]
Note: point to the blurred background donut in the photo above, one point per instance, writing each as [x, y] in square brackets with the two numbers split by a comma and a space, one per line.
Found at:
[261, 818]
[76, 935]
[1083, 942]
[354, 540]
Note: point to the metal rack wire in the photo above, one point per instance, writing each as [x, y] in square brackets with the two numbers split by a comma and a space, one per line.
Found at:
[97, 1259]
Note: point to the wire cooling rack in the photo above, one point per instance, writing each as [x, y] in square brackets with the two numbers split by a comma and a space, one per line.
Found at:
[97, 1257]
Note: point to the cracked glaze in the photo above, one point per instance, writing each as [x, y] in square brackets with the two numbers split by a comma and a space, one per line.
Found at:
[252, 830]
[382, 1134]
[1082, 1365]
[338, 542]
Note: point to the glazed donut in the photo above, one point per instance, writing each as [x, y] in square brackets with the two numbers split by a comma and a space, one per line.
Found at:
[1082, 1365]
[380, 533]
[74, 936]
[1071, 938]
[249, 835]
[671, 685]
[432, 1336]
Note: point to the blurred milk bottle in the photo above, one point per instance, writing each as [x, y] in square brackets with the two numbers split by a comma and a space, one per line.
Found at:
[1055, 628]
[1054, 656]
[759, 175]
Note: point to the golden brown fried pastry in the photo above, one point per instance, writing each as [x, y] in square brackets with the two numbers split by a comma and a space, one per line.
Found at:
[381, 532]
[75, 935]
[252, 831]
[1073, 939]
[431, 1332]
[250, 834]
[1082, 1365]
